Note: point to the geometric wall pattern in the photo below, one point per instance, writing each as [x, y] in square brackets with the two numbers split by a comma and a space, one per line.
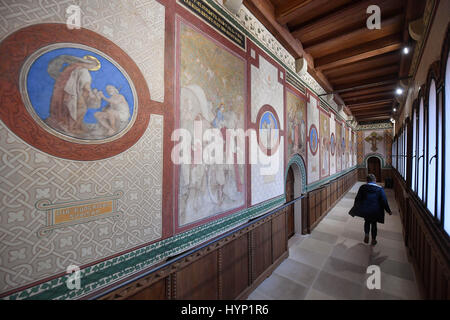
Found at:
[28, 175]
[135, 26]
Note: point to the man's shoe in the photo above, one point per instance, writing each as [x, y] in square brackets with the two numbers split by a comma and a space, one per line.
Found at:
[366, 238]
[374, 242]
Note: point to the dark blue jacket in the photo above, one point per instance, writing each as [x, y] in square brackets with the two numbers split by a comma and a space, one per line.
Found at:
[370, 203]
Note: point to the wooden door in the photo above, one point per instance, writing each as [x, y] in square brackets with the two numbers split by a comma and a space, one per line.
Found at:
[290, 197]
[374, 167]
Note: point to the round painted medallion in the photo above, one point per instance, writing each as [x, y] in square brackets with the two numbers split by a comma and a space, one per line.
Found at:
[313, 139]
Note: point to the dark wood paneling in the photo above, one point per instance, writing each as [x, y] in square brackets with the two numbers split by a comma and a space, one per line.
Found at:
[322, 199]
[157, 291]
[279, 242]
[262, 249]
[235, 264]
[426, 245]
[199, 280]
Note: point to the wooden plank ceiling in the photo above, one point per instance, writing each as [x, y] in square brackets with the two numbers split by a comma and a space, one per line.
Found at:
[362, 67]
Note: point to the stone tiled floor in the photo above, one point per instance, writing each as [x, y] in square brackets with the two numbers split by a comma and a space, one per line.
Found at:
[332, 261]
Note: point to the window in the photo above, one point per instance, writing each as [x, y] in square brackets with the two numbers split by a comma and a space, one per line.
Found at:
[439, 158]
[405, 145]
[414, 156]
[394, 153]
[447, 150]
[420, 153]
[431, 159]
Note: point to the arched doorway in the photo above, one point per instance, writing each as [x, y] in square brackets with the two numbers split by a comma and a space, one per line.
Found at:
[295, 182]
[374, 167]
[290, 185]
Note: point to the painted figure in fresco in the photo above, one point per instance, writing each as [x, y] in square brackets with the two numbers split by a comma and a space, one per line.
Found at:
[72, 92]
[193, 177]
[270, 136]
[293, 132]
[219, 119]
[325, 155]
[297, 129]
[302, 143]
[116, 113]
[207, 185]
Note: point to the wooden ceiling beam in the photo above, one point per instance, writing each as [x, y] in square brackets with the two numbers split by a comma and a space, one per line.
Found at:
[357, 77]
[362, 92]
[351, 15]
[373, 118]
[287, 8]
[368, 96]
[264, 11]
[371, 103]
[375, 104]
[371, 108]
[364, 65]
[367, 83]
[355, 37]
[350, 102]
[378, 112]
[361, 52]
[308, 10]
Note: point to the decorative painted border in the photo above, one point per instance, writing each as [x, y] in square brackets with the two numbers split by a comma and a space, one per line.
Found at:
[295, 82]
[203, 11]
[105, 273]
[376, 126]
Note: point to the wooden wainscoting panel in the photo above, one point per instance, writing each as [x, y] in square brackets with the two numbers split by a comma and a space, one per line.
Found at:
[235, 267]
[157, 291]
[262, 249]
[199, 280]
[279, 235]
[312, 207]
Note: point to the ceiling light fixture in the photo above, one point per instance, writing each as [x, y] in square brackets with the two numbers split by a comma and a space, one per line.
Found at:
[395, 109]
[399, 91]
[405, 50]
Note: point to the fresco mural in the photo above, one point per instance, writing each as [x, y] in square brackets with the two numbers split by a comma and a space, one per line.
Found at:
[212, 82]
[269, 139]
[296, 124]
[325, 146]
[78, 93]
[338, 147]
[347, 147]
[313, 139]
[332, 144]
[267, 112]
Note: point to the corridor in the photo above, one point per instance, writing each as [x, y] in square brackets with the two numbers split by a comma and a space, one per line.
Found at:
[331, 262]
